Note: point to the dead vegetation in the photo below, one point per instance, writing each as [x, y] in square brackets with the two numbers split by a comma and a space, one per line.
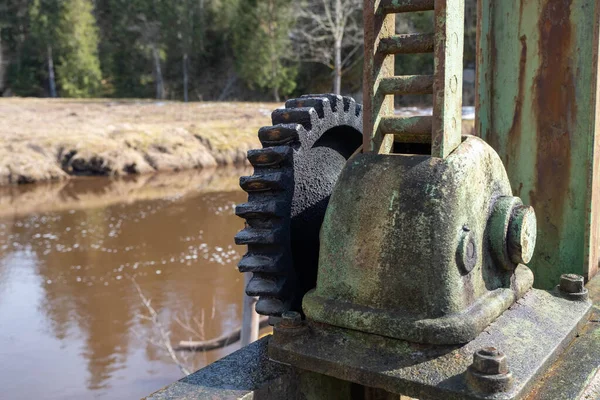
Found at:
[47, 139]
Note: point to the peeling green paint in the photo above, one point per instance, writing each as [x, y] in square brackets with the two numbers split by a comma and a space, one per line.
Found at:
[536, 105]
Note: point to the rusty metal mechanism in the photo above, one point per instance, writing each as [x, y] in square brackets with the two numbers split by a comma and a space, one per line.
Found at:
[422, 286]
[425, 248]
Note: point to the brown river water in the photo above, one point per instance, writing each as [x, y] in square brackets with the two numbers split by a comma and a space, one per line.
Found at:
[72, 324]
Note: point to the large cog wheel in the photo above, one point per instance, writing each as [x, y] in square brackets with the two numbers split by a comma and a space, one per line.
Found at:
[294, 174]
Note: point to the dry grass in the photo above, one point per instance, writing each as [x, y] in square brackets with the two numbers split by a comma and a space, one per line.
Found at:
[50, 139]
[47, 139]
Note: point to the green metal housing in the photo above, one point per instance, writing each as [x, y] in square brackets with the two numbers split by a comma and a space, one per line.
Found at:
[406, 246]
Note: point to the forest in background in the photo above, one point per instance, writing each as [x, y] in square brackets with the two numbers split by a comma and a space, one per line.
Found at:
[194, 50]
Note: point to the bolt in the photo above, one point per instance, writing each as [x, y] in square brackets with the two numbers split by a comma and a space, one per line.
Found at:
[290, 319]
[522, 233]
[571, 283]
[489, 372]
[490, 361]
[467, 251]
[512, 232]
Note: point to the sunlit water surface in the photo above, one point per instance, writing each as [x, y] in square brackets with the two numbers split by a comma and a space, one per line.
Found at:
[72, 324]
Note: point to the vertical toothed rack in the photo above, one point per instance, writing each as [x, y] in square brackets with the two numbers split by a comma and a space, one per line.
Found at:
[381, 128]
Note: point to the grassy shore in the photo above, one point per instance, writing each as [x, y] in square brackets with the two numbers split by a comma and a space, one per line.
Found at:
[53, 139]
[45, 139]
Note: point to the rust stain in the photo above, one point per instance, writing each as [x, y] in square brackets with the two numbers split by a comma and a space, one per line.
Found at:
[493, 137]
[479, 58]
[514, 133]
[555, 111]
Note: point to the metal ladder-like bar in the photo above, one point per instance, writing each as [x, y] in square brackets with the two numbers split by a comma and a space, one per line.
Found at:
[381, 128]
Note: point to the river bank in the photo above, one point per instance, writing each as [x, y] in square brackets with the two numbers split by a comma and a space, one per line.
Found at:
[53, 139]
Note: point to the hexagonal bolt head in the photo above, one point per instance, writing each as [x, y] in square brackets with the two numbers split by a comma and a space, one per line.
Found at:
[572, 283]
[522, 233]
[490, 361]
[290, 319]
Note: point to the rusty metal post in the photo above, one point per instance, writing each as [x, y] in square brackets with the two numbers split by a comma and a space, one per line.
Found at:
[378, 25]
[448, 72]
[537, 105]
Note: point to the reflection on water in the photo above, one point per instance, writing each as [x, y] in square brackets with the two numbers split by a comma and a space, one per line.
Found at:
[69, 315]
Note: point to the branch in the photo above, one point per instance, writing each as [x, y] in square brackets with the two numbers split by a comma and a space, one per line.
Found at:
[219, 342]
[165, 342]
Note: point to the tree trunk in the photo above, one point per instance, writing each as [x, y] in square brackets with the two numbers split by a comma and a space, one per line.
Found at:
[51, 78]
[202, 26]
[273, 52]
[160, 89]
[337, 71]
[185, 77]
[337, 49]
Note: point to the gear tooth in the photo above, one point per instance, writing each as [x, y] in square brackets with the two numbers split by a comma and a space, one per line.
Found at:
[358, 110]
[262, 182]
[334, 99]
[269, 157]
[270, 306]
[267, 209]
[261, 263]
[272, 195]
[262, 285]
[302, 116]
[318, 103]
[278, 134]
[349, 104]
[256, 236]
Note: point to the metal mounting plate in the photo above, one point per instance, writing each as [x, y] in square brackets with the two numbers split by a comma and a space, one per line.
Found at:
[532, 334]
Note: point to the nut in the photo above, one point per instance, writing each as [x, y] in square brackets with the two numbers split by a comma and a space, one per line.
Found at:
[489, 372]
[571, 283]
[572, 287]
[290, 319]
[490, 361]
[289, 327]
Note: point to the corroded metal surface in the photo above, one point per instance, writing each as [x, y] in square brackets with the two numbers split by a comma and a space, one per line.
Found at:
[393, 260]
[401, 6]
[537, 106]
[449, 23]
[409, 43]
[532, 334]
[377, 66]
[408, 84]
[381, 128]
[573, 375]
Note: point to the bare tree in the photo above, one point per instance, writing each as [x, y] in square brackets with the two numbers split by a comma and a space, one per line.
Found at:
[51, 76]
[330, 32]
[150, 38]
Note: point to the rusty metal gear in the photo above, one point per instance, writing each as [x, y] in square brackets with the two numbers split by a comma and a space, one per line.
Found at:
[294, 173]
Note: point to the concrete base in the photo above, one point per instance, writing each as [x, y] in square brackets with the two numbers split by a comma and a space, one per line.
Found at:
[249, 374]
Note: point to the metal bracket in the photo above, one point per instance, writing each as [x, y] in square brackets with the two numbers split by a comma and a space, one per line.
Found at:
[532, 334]
[381, 128]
